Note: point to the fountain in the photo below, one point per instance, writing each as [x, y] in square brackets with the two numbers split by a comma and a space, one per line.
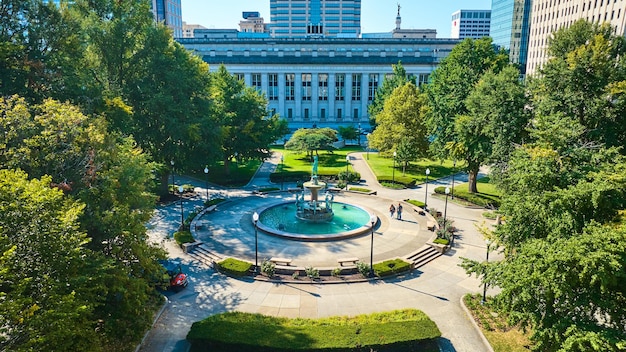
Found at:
[315, 220]
[313, 210]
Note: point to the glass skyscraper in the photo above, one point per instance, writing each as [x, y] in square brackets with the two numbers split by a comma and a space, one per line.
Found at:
[169, 12]
[315, 18]
[510, 28]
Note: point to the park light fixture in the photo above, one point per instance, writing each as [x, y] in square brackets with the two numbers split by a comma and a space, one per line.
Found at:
[488, 242]
[426, 190]
[393, 171]
[206, 172]
[373, 220]
[255, 219]
[182, 214]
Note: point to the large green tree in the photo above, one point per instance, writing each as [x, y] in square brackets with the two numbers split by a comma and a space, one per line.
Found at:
[585, 79]
[49, 278]
[401, 122]
[391, 82]
[450, 85]
[242, 115]
[311, 140]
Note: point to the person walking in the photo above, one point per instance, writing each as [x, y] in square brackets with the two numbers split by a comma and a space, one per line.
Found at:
[392, 210]
[399, 211]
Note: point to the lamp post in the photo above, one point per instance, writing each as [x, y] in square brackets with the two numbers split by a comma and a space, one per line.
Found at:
[445, 211]
[393, 171]
[373, 222]
[426, 195]
[282, 160]
[358, 131]
[347, 163]
[368, 146]
[206, 172]
[488, 242]
[173, 184]
[453, 171]
[255, 218]
[182, 214]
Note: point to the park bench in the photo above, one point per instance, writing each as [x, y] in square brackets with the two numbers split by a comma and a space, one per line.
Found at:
[283, 261]
[351, 260]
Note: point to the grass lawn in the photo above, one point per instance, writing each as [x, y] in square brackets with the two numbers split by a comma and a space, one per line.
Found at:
[330, 163]
[501, 337]
[488, 195]
[415, 172]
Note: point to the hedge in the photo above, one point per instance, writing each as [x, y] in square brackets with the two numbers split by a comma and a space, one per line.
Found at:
[183, 237]
[481, 199]
[401, 330]
[235, 267]
[390, 267]
[407, 181]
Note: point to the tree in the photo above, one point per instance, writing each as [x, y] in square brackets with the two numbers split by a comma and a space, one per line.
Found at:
[348, 132]
[495, 123]
[402, 121]
[243, 118]
[397, 79]
[47, 284]
[311, 140]
[584, 80]
[450, 85]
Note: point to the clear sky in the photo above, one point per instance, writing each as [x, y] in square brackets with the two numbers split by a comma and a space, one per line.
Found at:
[376, 15]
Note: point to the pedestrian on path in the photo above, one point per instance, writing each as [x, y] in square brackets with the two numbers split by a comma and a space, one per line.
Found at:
[392, 210]
[399, 211]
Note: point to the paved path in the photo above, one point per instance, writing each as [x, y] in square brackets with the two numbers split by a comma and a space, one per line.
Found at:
[435, 288]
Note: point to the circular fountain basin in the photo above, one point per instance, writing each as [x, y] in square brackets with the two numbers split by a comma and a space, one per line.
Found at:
[348, 221]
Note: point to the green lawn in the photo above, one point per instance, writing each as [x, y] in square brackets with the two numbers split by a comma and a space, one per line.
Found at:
[330, 163]
[415, 172]
[488, 195]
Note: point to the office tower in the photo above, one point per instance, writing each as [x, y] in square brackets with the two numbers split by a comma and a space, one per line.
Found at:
[169, 12]
[510, 27]
[252, 23]
[470, 24]
[315, 18]
[548, 16]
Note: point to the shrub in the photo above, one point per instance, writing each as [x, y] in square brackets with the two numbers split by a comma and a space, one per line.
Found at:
[336, 272]
[393, 185]
[341, 184]
[268, 268]
[312, 272]
[443, 241]
[390, 267]
[351, 176]
[406, 181]
[235, 267]
[295, 275]
[183, 237]
[481, 199]
[490, 215]
[363, 268]
[417, 203]
[360, 189]
[289, 176]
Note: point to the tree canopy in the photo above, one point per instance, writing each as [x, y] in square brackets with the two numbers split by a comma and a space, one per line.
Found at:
[311, 140]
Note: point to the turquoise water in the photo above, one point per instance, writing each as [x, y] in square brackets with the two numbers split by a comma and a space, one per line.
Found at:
[283, 217]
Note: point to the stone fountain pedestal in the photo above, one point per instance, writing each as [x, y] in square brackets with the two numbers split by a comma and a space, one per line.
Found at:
[313, 210]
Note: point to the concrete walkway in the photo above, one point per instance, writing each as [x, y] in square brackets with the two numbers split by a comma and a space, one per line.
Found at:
[435, 288]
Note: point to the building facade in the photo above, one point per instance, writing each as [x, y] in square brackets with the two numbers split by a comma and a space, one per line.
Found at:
[315, 18]
[548, 16]
[188, 29]
[325, 82]
[253, 23]
[510, 28]
[470, 24]
[169, 12]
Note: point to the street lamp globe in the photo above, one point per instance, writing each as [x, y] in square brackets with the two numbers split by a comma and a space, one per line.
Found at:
[255, 219]
[426, 190]
[206, 172]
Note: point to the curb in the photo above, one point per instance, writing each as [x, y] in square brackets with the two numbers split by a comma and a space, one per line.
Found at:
[480, 333]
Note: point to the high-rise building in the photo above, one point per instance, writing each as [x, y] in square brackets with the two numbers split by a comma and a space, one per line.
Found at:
[548, 16]
[253, 23]
[169, 12]
[470, 24]
[189, 29]
[510, 27]
[315, 18]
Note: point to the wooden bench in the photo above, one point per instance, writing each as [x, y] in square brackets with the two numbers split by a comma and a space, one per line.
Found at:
[283, 261]
[352, 260]
[431, 225]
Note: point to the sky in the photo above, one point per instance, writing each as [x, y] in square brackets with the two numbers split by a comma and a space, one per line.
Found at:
[376, 15]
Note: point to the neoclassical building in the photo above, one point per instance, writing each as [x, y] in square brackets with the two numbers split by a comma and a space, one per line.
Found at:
[318, 82]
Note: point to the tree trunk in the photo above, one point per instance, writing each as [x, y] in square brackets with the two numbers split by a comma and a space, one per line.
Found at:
[473, 173]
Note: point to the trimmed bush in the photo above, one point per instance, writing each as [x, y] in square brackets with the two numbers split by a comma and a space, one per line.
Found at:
[443, 241]
[390, 267]
[481, 199]
[351, 176]
[268, 268]
[312, 272]
[360, 189]
[289, 176]
[406, 181]
[401, 330]
[183, 237]
[363, 269]
[234, 267]
[417, 203]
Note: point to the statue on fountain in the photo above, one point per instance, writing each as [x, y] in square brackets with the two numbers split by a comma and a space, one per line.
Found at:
[314, 170]
[314, 210]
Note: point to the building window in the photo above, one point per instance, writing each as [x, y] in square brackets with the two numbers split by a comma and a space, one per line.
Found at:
[290, 86]
[240, 76]
[323, 114]
[339, 114]
[256, 81]
[290, 113]
[355, 114]
[356, 86]
[306, 86]
[422, 79]
[273, 86]
[373, 86]
[340, 86]
[323, 86]
[306, 113]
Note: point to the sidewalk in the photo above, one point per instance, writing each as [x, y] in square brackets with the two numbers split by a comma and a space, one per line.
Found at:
[435, 288]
